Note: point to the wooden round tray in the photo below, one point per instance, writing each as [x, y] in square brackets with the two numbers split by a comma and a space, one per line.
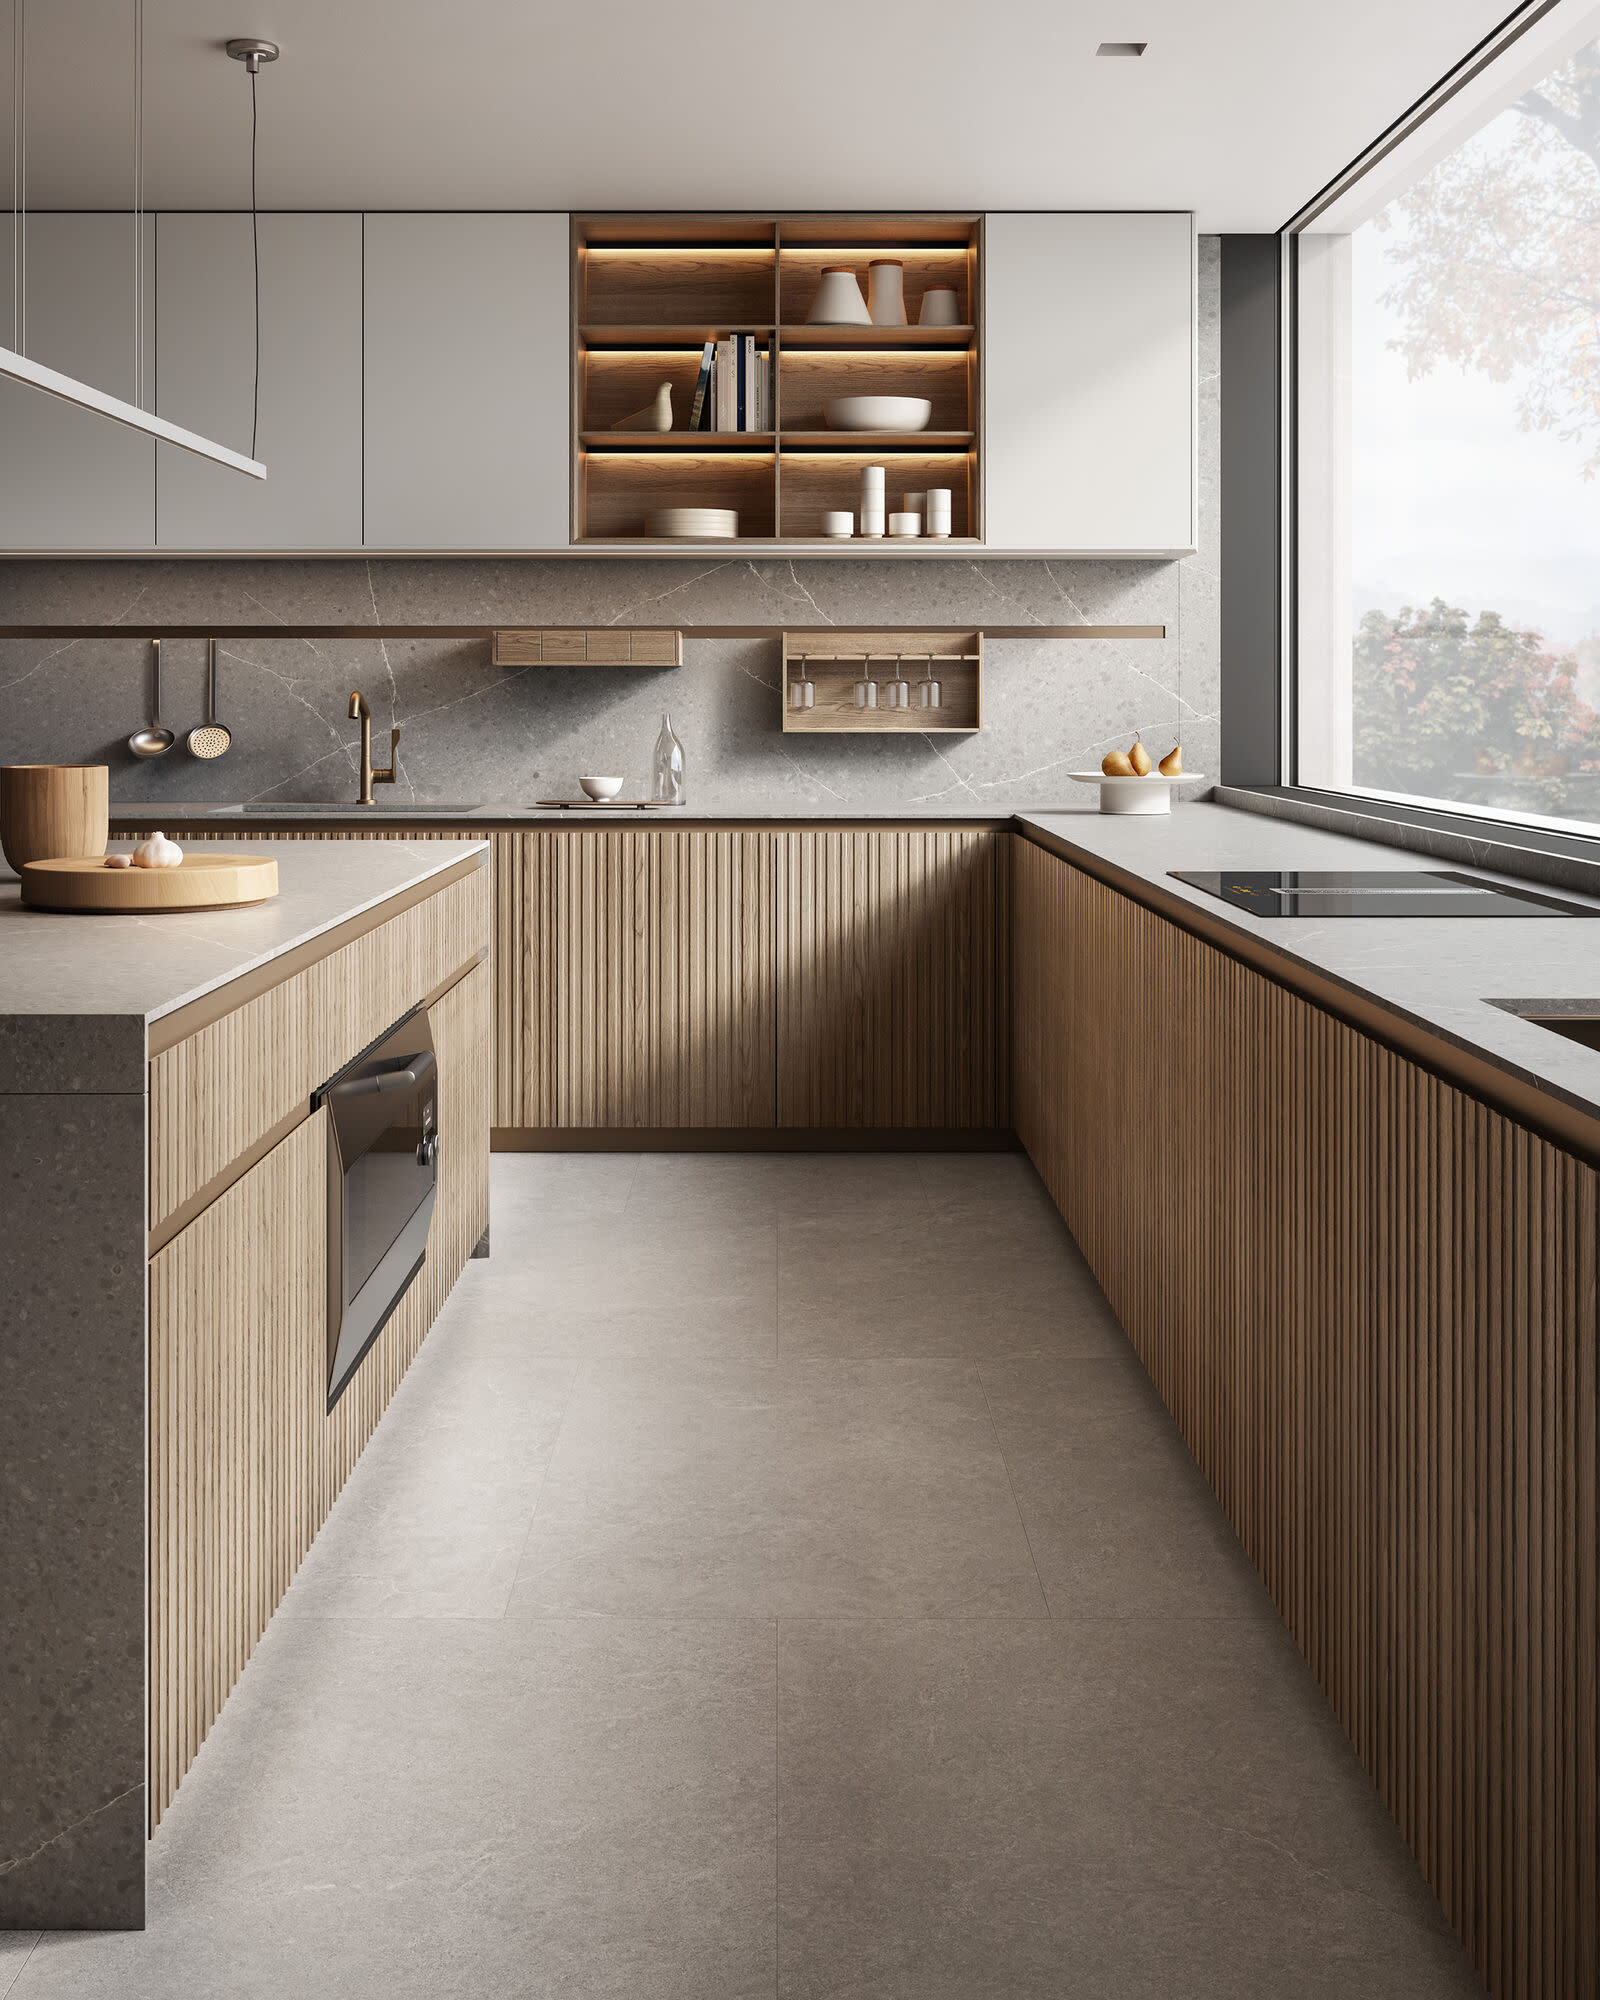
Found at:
[199, 882]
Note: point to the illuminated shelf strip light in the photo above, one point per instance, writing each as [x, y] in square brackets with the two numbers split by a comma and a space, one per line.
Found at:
[20, 369]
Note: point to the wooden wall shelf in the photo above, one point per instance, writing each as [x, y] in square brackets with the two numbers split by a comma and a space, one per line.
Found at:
[833, 662]
[649, 290]
[609, 646]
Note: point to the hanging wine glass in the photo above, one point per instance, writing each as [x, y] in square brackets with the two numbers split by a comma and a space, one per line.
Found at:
[802, 689]
[898, 691]
[928, 690]
[866, 687]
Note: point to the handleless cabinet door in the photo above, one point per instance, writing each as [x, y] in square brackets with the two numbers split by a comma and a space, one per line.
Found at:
[1089, 383]
[468, 367]
[309, 435]
[70, 479]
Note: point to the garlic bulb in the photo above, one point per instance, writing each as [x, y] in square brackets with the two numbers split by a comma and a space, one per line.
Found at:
[157, 852]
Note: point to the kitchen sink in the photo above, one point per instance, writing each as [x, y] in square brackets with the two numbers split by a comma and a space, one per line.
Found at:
[327, 808]
[1574, 1020]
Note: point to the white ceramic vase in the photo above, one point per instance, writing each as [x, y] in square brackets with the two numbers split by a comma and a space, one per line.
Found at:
[886, 292]
[838, 301]
[938, 307]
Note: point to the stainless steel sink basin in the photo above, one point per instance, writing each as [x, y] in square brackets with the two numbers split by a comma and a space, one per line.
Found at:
[1574, 1020]
[330, 808]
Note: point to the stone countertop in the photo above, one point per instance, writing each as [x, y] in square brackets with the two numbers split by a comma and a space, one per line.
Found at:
[310, 816]
[1439, 973]
[141, 967]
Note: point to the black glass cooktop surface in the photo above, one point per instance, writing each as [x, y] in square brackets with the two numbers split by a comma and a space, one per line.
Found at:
[1374, 892]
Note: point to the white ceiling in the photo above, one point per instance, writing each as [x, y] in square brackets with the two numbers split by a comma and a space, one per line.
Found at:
[1241, 109]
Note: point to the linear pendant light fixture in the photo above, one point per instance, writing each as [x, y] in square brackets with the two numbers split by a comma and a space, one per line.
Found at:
[15, 364]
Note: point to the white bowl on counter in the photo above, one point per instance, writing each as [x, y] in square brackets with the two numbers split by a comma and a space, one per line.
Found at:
[1136, 795]
[601, 788]
[877, 413]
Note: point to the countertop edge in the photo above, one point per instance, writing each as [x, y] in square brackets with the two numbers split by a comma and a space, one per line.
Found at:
[1569, 1118]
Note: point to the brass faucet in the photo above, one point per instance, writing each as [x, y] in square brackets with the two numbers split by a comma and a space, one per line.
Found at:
[359, 712]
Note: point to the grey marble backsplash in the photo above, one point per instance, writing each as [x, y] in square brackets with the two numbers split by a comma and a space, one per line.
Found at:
[474, 733]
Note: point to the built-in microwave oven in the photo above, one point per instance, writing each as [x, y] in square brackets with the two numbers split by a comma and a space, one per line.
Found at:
[383, 1179]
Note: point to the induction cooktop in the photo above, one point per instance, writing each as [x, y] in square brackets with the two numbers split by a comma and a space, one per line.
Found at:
[1375, 892]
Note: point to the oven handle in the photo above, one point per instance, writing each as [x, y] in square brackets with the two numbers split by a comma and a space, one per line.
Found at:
[422, 1066]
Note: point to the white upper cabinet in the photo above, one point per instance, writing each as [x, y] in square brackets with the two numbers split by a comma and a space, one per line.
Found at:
[309, 436]
[1089, 383]
[70, 479]
[468, 372]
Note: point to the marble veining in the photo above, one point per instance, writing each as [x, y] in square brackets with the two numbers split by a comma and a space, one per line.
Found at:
[509, 735]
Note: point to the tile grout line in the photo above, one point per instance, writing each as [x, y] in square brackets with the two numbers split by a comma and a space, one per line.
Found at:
[16, 1977]
[777, 1817]
[1011, 1488]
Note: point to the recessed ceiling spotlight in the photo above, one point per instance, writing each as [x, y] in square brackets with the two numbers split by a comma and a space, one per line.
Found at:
[1122, 48]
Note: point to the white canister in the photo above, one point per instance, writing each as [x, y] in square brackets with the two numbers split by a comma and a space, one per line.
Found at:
[939, 307]
[905, 526]
[872, 520]
[838, 301]
[838, 525]
[939, 511]
[871, 481]
[886, 291]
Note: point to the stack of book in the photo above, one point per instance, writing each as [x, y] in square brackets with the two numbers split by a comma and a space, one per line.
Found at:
[734, 392]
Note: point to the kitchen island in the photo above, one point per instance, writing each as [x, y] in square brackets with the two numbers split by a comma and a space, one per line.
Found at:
[165, 1452]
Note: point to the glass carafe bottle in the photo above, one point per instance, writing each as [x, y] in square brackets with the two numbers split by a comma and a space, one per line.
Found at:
[668, 785]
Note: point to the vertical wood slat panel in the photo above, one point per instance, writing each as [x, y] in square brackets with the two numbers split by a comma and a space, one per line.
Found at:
[1373, 1316]
[650, 979]
[893, 978]
[244, 1462]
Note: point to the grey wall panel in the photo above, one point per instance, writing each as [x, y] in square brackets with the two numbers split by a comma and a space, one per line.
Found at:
[468, 372]
[70, 479]
[1089, 383]
[1252, 626]
[310, 426]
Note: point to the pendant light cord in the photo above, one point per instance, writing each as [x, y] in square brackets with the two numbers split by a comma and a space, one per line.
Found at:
[19, 176]
[138, 204]
[255, 259]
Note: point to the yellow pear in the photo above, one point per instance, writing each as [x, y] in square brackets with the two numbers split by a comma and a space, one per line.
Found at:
[1139, 758]
[1115, 764]
[1171, 766]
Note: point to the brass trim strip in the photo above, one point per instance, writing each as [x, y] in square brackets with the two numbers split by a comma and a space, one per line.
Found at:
[187, 1211]
[182, 1022]
[1564, 1125]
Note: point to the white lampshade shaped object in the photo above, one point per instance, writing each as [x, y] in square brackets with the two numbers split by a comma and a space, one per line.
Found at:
[838, 301]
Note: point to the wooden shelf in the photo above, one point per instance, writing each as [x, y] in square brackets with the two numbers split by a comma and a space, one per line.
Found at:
[659, 335]
[875, 441]
[758, 443]
[868, 339]
[834, 661]
[650, 291]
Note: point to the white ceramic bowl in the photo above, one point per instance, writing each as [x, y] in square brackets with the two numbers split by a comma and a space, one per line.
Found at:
[703, 524]
[837, 525]
[904, 526]
[878, 413]
[1150, 794]
[601, 788]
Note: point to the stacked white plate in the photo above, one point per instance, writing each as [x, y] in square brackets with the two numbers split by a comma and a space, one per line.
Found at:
[706, 524]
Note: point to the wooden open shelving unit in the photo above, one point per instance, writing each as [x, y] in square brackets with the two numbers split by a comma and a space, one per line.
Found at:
[834, 661]
[648, 291]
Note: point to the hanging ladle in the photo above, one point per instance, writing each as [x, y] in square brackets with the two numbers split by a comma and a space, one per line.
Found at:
[211, 738]
[154, 741]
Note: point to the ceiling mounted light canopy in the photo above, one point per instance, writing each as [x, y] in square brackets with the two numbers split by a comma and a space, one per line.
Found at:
[15, 363]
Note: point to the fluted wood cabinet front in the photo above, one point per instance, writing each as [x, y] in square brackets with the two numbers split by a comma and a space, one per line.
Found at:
[646, 994]
[244, 1459]
[894, 979]
[1369, 1301]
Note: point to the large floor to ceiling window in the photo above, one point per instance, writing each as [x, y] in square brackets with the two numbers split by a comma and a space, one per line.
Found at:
[1449, 430]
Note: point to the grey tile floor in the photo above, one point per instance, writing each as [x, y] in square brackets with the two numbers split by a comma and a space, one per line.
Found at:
[775, 1576]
